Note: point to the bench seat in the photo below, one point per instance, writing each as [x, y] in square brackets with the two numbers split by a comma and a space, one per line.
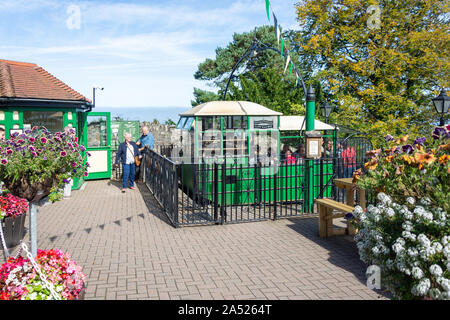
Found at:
[329, 210]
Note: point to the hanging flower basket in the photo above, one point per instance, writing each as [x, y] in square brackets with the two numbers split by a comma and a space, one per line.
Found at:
[38, 163]
[25, 279]
[12, 214]
[33, 192]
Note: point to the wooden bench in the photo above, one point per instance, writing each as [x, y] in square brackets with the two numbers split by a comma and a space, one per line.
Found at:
[326, 216]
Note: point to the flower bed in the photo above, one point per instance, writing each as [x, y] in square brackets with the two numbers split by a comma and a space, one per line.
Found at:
[20, 281]
[407, 233]
[410, 244]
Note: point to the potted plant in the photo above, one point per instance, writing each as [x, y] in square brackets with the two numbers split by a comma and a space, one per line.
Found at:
[24, 279]
[12, 215]
[406, 234]
[38, 163]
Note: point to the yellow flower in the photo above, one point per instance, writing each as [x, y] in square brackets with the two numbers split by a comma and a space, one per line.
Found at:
[445, 147]
[371, 165]
[373, 153]
[402, 140]
[424, 158]
[408, 159]
[389, 158]
[444, 159]
[391, 150]
[420, 148]
[357, 175]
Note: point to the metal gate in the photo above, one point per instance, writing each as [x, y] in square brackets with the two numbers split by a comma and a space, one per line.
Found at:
[193, 194]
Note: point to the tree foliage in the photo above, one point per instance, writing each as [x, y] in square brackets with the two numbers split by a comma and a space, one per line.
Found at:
[259, 78]
[382, 79]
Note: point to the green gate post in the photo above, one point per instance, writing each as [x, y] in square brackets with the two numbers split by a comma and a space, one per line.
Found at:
[310, 118]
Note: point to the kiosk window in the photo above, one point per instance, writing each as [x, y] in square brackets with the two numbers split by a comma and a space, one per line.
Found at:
[52, 121]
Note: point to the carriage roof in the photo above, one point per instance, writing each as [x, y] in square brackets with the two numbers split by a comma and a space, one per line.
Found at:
[230, 108]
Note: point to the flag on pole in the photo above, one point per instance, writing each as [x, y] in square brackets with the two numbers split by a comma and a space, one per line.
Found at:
[287, 63]
[275, 23]
[278, 34]
[267, 9]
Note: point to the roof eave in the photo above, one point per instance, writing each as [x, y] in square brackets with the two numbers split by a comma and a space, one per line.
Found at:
[81, 105]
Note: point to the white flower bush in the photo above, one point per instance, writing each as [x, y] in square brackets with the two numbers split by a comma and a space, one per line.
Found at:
[410, 244]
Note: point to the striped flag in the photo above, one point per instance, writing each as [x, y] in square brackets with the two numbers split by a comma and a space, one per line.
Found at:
[287, 63]
[278, 34]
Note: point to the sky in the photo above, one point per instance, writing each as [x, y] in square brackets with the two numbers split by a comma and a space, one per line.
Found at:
[144, 53]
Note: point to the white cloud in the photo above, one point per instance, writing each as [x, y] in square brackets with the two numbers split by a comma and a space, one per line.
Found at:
[142, 53]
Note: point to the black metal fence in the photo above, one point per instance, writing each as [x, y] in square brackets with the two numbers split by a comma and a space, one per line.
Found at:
[195, 194]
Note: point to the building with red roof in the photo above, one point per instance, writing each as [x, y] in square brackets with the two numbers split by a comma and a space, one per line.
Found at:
[30, 96]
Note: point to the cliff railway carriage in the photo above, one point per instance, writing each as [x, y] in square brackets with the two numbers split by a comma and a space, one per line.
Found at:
[239, 150]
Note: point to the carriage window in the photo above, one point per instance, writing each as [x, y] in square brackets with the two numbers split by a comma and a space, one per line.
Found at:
[188, 123]
[210, 123]
[235, 143]
[181, 123]
[236, 122]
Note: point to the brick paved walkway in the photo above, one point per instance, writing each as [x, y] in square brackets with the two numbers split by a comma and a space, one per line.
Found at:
[128, 250]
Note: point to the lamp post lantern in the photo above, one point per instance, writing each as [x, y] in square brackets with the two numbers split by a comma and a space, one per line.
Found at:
[93, 95]
[326, 110]
[441, 104]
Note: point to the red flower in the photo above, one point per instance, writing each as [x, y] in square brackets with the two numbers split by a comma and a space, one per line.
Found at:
[4, 296]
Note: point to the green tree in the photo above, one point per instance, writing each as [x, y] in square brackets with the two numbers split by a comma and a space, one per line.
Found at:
[381, 75]
[259, 79]
[202, 96]
[170, 122]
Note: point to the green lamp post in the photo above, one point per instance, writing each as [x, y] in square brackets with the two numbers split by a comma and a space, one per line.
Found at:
[310, 118]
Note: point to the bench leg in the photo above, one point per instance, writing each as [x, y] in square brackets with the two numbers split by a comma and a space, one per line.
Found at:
[329, 218]
[350, 196]
[350, 229]
[322, 221]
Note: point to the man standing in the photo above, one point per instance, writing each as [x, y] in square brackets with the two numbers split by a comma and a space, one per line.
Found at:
[144, 142]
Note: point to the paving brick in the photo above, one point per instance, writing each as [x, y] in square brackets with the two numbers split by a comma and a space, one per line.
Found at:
[128, 250]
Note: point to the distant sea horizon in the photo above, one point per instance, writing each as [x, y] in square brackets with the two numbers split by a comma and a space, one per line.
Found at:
[162, 114]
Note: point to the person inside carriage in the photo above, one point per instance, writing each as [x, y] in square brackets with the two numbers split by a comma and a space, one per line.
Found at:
[289, 158]
[300, 153]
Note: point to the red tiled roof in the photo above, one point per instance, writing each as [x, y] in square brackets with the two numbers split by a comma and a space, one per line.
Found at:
[28, 80]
